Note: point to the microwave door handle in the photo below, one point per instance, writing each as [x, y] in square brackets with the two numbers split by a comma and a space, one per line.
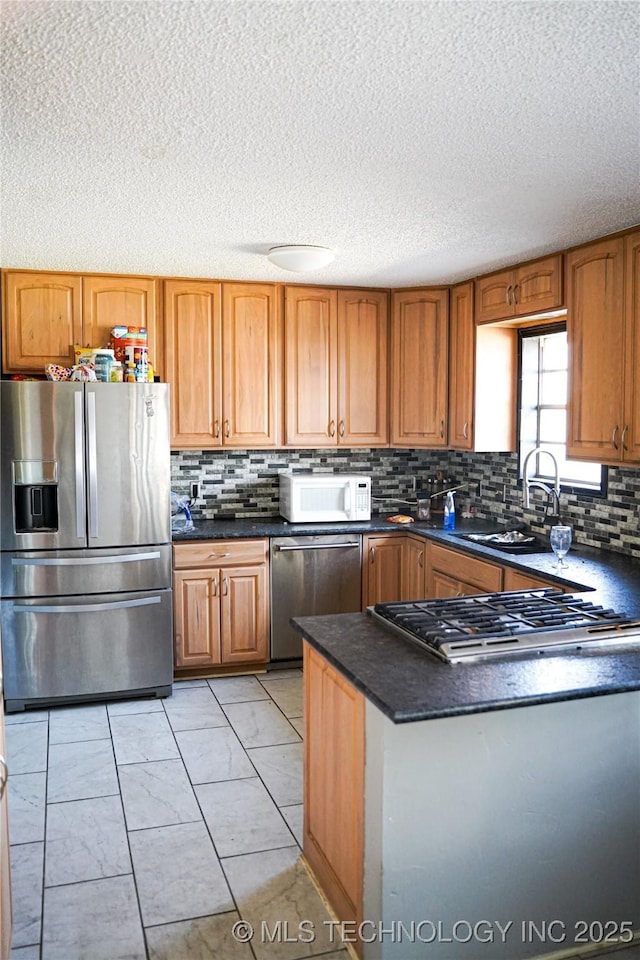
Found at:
[78, 440]
[93, 464]
[347, 498]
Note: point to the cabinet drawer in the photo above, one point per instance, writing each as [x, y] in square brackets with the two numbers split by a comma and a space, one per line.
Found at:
[219, 553]
[514, 580]
[486, 576]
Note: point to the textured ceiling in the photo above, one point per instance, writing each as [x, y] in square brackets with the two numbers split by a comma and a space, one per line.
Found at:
[425, 141]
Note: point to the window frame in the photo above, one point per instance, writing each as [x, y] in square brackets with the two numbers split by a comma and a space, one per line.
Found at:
[570, 486]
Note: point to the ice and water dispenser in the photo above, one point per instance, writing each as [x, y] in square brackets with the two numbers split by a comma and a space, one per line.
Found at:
[35, 496]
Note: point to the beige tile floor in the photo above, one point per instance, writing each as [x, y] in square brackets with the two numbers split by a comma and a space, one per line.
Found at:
[144, 830]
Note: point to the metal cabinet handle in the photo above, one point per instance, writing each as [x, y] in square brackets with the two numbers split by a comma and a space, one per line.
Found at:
[226, 428]
[623, 437]
[441, 429]
[341, 428]
[332, 428]
[421, 558]
[515, 294]
[613, 437]
[216, 428]
[215, 586]
[509, 289]
[317, 546]
[212, 555]
[372, 554]
[465, 433]
[225, 587]
[4, 776]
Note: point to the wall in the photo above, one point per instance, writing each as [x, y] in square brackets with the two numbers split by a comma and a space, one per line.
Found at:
[244, 483]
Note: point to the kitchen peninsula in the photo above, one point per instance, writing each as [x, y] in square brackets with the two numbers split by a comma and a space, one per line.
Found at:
[470, 811]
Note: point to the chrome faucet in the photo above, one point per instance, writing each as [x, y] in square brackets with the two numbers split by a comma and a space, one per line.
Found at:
[527, 484]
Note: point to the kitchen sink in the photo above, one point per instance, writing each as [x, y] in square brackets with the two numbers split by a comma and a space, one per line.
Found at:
[509, 541]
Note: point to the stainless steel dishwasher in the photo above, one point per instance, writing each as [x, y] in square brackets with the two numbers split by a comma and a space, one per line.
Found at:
[311, 575]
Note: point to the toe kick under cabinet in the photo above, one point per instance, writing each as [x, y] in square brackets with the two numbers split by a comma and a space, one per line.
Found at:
[221, 606]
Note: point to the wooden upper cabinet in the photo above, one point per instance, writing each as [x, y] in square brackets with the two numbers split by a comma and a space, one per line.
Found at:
[419, 368]
[631, 440]
[251, 365]
[311, 368]
[363, 332]
[533, 287]
[335, 367]
[112, 301]
[462, 362]
[223, 347]
[596, 335]
[193, 339]
[45, 314]
[42, 320]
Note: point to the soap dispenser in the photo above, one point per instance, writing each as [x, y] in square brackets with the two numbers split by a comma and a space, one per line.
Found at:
[449, 512]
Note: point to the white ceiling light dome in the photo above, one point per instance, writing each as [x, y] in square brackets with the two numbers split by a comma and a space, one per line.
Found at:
[300, 257]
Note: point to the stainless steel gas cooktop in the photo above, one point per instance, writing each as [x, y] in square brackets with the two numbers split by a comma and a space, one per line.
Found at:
[460, 629]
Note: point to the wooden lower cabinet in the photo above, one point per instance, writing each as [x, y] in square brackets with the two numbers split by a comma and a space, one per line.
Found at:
[515, 580]
[451, 573]
[382, 568]
[334, 739]
[221, 604]
[415, 568]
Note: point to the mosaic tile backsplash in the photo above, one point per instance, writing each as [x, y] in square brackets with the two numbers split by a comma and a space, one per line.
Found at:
[244, 484]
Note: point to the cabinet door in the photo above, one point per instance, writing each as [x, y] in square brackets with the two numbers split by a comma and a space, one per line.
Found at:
[414, 569]
[196, 604]
[251, 368]
[462, 368]
[494, 297]
[383, 569]
[538, 286]
[595, 329]
[42, 320]
[193, 359]
[311, 371]
[244, 614]
[631, 439]
[334, 759]
[130, 301]
[363, 331]
[419, 368]
[440, 586]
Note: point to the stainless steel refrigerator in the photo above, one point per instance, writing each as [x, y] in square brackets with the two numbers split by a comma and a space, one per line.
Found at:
[85, 552]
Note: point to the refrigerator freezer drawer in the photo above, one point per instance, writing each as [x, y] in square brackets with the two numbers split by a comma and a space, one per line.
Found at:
[56, 573]
[65, 649]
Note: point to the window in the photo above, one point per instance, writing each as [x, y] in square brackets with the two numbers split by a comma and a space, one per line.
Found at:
[543, 411]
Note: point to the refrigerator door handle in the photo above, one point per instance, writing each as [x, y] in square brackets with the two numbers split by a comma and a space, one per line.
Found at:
[83, 561]
[83, 607]
[79, 465]
[93, 464]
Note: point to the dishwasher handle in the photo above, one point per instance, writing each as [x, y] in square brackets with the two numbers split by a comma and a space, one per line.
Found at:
[317, 546]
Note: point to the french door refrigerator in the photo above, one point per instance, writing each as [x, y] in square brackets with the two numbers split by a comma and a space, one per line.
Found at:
[85, 552]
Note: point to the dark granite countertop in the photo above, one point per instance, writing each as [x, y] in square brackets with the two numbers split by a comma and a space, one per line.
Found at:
[408, 684]
[614, 577]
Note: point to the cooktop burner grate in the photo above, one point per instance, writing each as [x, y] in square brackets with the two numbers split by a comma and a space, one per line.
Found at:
[475, 627]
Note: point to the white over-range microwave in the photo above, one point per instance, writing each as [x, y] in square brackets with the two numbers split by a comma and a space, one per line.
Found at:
[324, 497]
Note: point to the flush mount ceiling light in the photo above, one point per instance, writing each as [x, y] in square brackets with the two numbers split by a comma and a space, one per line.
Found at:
[300, 257]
